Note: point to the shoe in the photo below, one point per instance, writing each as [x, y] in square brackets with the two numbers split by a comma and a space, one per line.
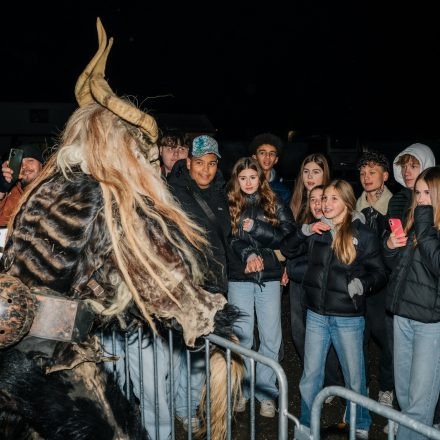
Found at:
[386, 398]
[195, 423]
[329, 399]
[267, 408]
[361, 434]
[240, 404]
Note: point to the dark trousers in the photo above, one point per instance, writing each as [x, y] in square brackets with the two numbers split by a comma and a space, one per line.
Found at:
[379, 326]
[333, 374]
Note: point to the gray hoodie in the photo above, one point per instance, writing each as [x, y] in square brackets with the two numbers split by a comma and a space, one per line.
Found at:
[421, 152]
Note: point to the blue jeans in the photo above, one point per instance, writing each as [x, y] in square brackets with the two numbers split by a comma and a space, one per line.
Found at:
[416, 371]
[266, 301]
[148, 377]
[198, 375]
[346, 335]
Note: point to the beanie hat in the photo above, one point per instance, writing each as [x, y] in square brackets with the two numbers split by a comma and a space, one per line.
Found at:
[32, 152]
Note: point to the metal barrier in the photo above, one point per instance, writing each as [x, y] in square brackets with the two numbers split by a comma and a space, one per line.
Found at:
[112, 345]
[357, 399]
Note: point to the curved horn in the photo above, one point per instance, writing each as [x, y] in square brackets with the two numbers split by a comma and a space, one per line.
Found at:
[82, 88]
[102, 92]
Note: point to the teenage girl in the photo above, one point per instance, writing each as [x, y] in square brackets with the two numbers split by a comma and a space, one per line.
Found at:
[413, 296]
[259, 224]
[344, 264]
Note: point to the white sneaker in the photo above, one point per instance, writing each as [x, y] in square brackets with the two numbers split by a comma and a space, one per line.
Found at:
[361, 434]
[267, 408]
[386, 398]
[240, 404]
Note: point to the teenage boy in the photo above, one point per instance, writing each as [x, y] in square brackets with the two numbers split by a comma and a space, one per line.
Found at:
[406, 167]
[373, 203]
[267, 148]
[198, 185]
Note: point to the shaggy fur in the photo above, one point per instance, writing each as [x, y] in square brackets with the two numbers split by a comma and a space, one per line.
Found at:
[99, 209]
[218, 395]
[33, 402]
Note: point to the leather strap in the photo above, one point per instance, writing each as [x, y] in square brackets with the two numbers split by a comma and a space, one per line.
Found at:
[212, 218]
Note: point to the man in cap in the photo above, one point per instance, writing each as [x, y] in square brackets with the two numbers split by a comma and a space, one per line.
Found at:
[31, 167]
[197, 183]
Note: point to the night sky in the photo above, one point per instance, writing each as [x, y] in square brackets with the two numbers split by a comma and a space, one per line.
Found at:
[330, 68]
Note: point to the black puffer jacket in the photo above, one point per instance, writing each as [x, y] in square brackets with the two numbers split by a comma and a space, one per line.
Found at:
[326, 279]
[261, 240]
[183, 187]
[296, 265]
[413, 289]
[399, 205]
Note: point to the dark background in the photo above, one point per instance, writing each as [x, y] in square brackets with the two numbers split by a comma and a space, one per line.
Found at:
[355, 71]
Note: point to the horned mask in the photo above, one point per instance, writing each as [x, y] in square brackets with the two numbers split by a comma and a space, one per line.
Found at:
[91, 86]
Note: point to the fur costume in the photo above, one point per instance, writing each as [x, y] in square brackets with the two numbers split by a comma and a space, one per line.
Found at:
[99, 212]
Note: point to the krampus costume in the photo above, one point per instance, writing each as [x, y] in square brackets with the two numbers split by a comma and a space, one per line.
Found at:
[96, 237]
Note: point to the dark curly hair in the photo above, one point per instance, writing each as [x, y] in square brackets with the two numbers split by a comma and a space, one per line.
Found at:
[374, 157]
[266, 138]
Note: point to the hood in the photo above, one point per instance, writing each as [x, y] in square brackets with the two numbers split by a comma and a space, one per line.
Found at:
[180, 177]
[421, 152]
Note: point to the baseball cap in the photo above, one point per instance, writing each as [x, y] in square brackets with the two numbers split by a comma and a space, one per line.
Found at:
[204, 144]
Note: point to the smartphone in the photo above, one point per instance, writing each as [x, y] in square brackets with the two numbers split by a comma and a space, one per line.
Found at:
[15, 159]
[395, 224]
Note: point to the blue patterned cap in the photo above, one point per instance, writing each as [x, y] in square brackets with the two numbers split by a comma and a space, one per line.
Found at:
[204, 145]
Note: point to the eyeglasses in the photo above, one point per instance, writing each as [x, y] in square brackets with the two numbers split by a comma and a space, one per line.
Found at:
[271, 154]
[179, 150]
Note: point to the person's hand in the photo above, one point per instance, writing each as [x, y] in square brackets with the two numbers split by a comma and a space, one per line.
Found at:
[254, 264]
[319, 227]
[247, 224]
[397, 239]
[7, 172]
[284, 278]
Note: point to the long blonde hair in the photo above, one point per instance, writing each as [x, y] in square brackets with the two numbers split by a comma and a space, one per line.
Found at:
[137, 203]
[237, 200]
[342, 244]
[299, 196]
[431, 176]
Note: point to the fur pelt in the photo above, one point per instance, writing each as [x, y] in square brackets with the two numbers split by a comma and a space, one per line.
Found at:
[59, 406]
[218, 392]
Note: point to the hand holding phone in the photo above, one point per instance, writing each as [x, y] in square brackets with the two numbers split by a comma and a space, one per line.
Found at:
[398, 237]
[395, 224]
[14, 163]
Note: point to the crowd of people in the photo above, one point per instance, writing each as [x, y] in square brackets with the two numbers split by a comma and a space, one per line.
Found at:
[351, 277]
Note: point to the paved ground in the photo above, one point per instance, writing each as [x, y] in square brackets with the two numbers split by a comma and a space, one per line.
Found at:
[266, 429]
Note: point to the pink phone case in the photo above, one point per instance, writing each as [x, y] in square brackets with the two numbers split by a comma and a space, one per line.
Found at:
[395, 224]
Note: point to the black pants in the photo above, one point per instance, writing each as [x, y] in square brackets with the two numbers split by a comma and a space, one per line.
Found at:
[379, 326]
[333, 374]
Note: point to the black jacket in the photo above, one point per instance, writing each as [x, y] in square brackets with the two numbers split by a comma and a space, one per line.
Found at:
[296, 265]
[261, 240]
[326, 279]
[183, 187]
[376, 221]
[413, 289]
[399, 205]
